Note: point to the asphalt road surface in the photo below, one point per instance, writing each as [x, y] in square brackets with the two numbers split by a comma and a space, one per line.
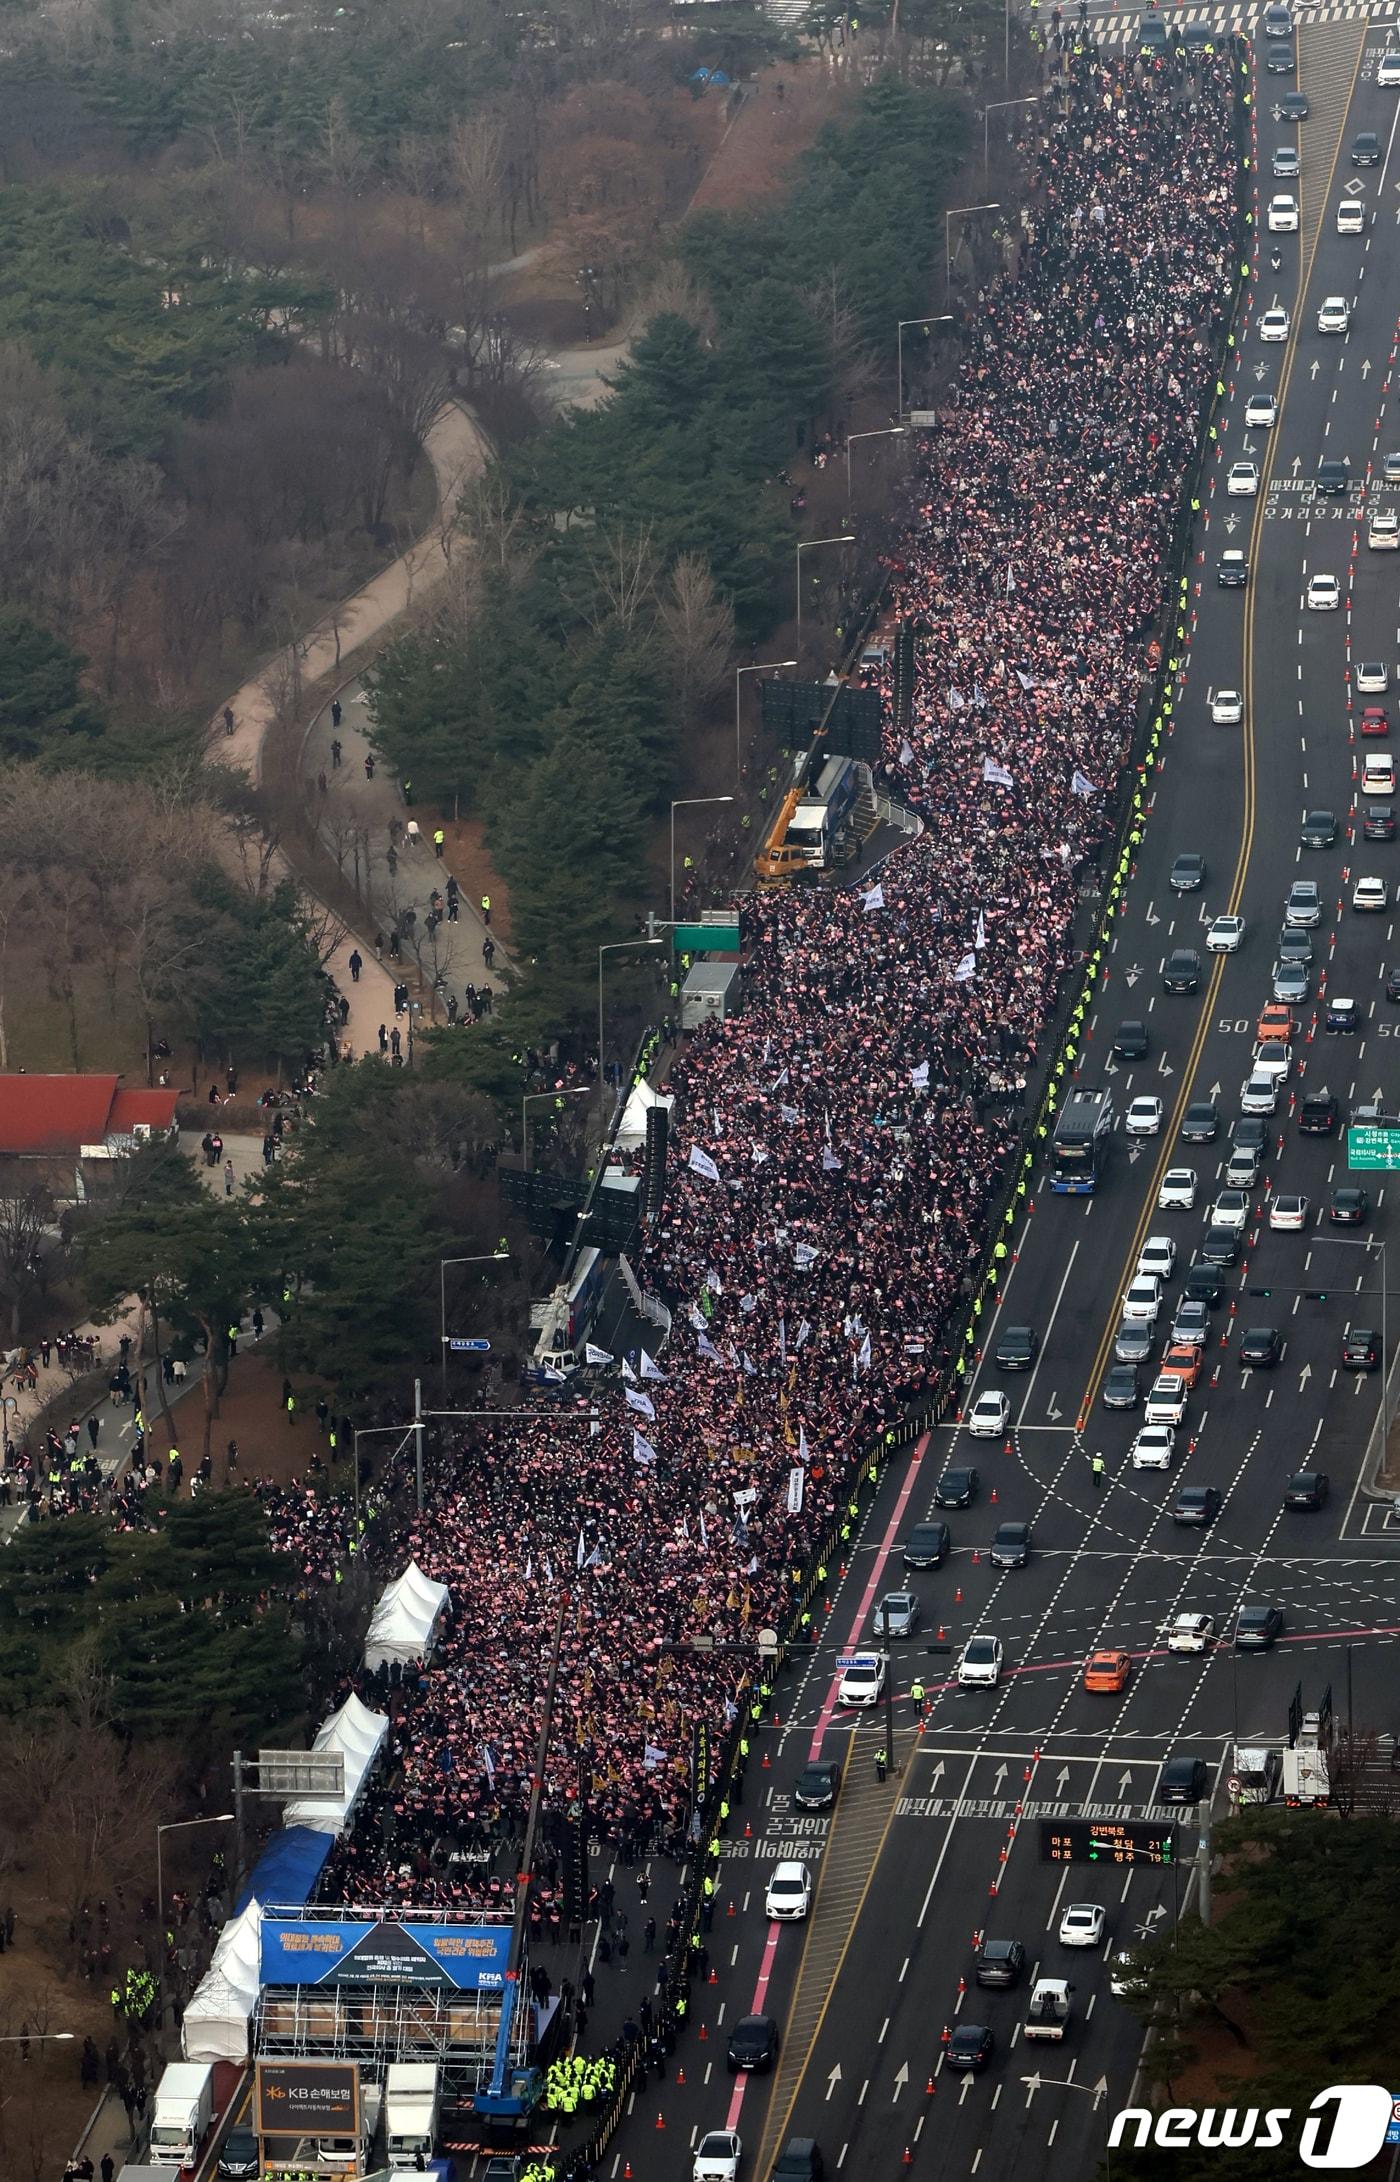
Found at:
[909, 1873]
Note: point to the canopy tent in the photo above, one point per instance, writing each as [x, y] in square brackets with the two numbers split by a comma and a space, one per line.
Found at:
[288, 1868]
[215, 2027]
[405, 1622]
[632, 1129]
[357, 1732]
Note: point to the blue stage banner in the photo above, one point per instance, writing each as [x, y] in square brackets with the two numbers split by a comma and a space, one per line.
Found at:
[354, 1951]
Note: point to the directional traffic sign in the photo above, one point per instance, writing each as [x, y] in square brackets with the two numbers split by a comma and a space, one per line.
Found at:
[855, 1659]
[1369, 1149]
[1104, 1841]
[468, 1345]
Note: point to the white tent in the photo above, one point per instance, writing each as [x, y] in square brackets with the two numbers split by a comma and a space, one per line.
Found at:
[215, 2027]
[632, 1129]
[404, 1623]
[358, 1732]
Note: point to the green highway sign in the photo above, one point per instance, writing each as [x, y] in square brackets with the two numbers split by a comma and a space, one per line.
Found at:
[1373, 1149]
[706, 939]
[1093, 1841]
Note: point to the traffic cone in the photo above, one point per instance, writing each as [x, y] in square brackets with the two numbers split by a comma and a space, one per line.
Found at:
[908, 2157]
[703, 2032]
[627, 2172]
[713, 1980]
[660, 2121]
[930, 2089]
[680, 2076]
[730, 1911]
[976, 1556]
[946, 2038]
[767, 1762]
[748, 1831]
[1006, 1448]
[957, 1596]
[942, 1633]
[995, 1496]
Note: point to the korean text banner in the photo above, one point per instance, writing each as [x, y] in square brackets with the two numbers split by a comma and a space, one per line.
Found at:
[357, 1951]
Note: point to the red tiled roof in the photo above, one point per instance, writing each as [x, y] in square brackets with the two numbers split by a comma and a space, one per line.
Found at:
[57, 1114]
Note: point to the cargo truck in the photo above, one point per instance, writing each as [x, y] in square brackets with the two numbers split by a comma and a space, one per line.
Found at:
[184, 2108]
[410, 2114]
[1306, 1781]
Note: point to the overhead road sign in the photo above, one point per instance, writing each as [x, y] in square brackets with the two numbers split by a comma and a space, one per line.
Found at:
[1103, 1841]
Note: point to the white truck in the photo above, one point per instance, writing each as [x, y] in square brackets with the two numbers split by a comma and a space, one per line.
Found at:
[1305, 1775]
[184, 2108]
[1048, 2015]
[411, 2099]
[350, 2155]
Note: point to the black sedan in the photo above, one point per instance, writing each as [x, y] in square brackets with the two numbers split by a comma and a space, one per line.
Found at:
[1348, 1206]
[1130, 1040]
[1258, 1628]
[1319, 830]
[1261, 1347]
[926, 1545]
[1200, 1124]
[1187, 874]
[1307, 1490]
[1016, 1349]
[1198, 1504]
[1181, 972]
[816, 1786]
[1122, 1388]
[753, 2045]
[969, 2047]
[956, 1489]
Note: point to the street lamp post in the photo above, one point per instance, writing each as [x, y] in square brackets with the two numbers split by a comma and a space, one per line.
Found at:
[805, 545]
[768, 666]
[888, 431]
[173, 1825]
[370, 1432]
[686, 803]
[999, 105]
[958, 212]
[613, 947]
[538, 1098]
[484, 1257]
[944, 318]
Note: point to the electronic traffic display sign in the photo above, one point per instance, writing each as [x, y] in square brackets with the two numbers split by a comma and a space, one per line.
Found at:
[1106, 1841]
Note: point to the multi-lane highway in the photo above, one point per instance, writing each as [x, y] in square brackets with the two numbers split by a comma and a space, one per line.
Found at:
[909, 1871]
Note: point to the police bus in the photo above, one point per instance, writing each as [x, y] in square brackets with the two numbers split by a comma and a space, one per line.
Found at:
[1079, 1147]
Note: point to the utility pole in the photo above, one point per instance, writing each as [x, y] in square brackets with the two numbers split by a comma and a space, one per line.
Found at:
[418, 1444]
[1203, 1867]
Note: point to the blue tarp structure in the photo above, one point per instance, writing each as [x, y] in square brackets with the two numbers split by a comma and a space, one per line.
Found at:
[288, 1868]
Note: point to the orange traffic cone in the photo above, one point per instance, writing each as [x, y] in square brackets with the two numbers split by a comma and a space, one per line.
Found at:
[766, 1762]
[930, 2089]
[680, 2075]
[957, 1596]
[748, 1831]
[703, 2032]
[731, 1910]
[908, 2160]
[661, 2121]
[994, 1495]
[713, 1977]
[627, 2172]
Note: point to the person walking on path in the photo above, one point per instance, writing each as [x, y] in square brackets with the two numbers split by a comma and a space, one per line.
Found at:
[357, 963]
[439, 842]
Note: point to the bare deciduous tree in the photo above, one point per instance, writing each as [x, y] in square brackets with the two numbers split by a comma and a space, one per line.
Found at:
[699, 631]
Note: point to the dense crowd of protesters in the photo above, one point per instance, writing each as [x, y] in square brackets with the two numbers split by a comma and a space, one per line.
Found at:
[837, 1146]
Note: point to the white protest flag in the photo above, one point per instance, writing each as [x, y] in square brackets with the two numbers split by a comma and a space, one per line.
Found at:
[993, 771]
[701, 1163]
[803, 1332]
[704, 1346]
[978, 695]
[714, 1283]
[782, 1337]
[830, 1163]
[966, 969]
[863, 1354]
[578, 1557]
[704, 1534]
[803, 1453]
[956, 701]
[550, 1372]
[1082, 785]
[1026, 681]
[875, 899]
[919, 1076]
[906, 753]
[489, 1763]
[629, 1375]
[981, 939]
[592, 1354]
[651, 1370]
[789, 1114]
[758, 1155]
[805, 1254]
[797, 1485]
[696, 1316]
[652, 1756]
[529, 1566]
[748, 1304]
[642, 1450]
[750, 1366]
[780, 1079]
[642, 1403]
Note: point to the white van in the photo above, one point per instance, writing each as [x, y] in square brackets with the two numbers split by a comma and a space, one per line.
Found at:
[1351, 217]
[1378, 774]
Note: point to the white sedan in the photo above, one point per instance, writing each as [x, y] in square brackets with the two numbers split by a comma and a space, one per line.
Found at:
[1383, 536]
[1191, 1633]
[1225, 935]
[1144, 1117]
[1242, 481]
[1178, 1191]
[1289, 1211]
[1274, 325]
[1324, 594]
[1154, 1447]
[863, 1682]
[1372, 677]
[989, 1415]
[1227, 708]
[1272, 1058]
[1230, 1210]
[1261, 413]
[789, 1893]
[1283, 215]
[717, 2157]
[1082, 1924]
[1143, 1300]
[1158, 1255]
